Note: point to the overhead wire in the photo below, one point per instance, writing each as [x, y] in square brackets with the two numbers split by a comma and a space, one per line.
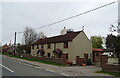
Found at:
[70, 17]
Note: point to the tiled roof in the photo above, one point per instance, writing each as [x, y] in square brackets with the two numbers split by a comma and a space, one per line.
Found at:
[101, 50]
[56, 39]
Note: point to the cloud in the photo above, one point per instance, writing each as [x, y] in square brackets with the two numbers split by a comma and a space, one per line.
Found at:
[17, 15]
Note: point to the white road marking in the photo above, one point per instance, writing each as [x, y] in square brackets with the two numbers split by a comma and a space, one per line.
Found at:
[29, 65]
[50, 70]
[38, 67]
[6, 68]
[64, 74]
[25, 64]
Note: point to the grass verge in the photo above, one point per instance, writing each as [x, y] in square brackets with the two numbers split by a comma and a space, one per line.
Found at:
[110, 73]
[45, 62]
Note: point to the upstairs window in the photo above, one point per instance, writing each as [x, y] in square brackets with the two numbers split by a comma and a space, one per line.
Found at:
[42, 46]
[65, 44]
[48, 46]
[37, 46]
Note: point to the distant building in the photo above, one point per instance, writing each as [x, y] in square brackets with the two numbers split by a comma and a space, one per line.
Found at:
[73, 44]
[5, 48]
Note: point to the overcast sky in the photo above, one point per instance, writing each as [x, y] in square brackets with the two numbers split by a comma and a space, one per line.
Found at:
[17, 15]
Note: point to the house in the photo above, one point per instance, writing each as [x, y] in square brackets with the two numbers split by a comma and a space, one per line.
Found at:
[5, 48]
[73, 44]
[98, 52]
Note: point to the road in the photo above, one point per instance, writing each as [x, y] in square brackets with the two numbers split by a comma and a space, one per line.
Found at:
[12, 67]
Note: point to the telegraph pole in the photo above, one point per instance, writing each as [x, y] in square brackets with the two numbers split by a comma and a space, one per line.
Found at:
[15, 44]
[15, 39]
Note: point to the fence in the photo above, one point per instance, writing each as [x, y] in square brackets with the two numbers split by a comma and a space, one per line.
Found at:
[109, 67]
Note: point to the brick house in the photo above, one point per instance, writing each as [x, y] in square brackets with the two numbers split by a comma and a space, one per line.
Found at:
[73, 44]
[5, 48]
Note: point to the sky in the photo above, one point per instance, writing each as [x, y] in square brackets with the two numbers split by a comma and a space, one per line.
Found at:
[16, 15]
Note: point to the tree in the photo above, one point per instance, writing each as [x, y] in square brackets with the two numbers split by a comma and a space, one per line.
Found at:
[29, 35]
[113, 42]
[96, 41]
[41, 35]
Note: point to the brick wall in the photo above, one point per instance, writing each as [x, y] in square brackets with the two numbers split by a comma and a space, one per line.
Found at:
[55, 60]
[109, 67]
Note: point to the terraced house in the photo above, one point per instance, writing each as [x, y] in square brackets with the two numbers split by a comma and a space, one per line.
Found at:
[73, 44]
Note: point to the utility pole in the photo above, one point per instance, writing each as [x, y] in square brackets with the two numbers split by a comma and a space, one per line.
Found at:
[15, 44]
[15, 39]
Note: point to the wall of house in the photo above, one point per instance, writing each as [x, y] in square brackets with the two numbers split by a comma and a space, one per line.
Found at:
[81, 44]
[50, 50]
[34, 51]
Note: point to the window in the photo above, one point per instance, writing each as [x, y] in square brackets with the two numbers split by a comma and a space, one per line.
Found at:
[37, 46]
[48, 46]
[32, 46]
[65, 44]
[48, 54]
[42, 46]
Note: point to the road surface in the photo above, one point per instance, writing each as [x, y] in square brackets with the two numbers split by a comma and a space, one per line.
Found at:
[16, 69]
[12, 67]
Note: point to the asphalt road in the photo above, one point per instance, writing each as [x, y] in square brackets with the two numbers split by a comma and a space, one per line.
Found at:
[12, 67]
[16, 69]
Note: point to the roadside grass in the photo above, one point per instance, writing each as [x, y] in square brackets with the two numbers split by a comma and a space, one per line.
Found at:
[110, 73]
[45, 62]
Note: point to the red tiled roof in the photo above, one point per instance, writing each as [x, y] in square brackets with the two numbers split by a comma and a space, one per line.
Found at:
[101, 50]
[61, 38]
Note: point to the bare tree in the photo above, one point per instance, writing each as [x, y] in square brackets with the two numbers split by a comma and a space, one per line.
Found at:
[41, 35]
[29, 35]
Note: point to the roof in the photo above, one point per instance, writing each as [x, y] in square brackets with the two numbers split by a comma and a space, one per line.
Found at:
[56, 39]
[101, 50]
[5, 46]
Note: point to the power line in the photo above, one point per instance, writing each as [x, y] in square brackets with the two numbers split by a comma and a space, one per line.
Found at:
[10, 36]
[69, 17]
[78, 14]
[7, 37]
